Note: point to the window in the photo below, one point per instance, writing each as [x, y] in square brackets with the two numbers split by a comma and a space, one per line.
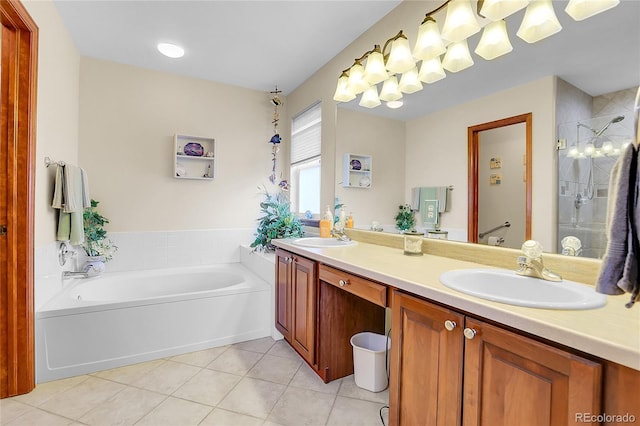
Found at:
[305, 160]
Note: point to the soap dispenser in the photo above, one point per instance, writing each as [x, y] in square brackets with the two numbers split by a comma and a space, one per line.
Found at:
[350, 221]
[326, 223]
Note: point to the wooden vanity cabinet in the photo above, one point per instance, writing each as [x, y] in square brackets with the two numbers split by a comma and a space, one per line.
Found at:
[296, 297]
[451, 369]
[319, 308]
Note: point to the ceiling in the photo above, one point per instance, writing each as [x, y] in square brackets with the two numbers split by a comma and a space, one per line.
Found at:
[258, 44]
[251, 44]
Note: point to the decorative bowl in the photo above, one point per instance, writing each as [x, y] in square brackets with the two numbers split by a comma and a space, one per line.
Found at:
[194, 149]
[355, 165]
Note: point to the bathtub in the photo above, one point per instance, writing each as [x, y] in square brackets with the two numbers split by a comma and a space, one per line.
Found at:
[123, 318]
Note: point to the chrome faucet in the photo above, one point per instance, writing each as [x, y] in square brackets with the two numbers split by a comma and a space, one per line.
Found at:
[531, 264]
[339, 234]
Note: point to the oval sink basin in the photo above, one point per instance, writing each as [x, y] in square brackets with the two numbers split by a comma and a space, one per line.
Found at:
[322, 242]
[508, 287]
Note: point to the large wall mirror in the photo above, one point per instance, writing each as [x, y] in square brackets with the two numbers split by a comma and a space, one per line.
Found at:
[428, 146]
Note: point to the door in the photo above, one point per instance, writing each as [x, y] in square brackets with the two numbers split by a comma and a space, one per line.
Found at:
[283, 293]
[304, 296]
[426, 363]
[513, 380]
[18, 78]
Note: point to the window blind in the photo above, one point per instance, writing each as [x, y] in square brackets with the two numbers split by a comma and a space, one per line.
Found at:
[306, 135]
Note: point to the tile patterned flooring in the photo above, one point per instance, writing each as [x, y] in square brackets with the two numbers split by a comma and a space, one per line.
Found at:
[260, 382]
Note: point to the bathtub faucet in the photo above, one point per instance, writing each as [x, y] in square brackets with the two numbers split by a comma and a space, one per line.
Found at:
[70, 274]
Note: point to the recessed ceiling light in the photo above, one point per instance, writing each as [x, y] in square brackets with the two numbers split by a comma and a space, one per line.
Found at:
[171, 50]
[394, 104]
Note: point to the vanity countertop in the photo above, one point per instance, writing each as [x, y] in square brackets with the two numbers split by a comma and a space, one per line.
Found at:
[611, 332]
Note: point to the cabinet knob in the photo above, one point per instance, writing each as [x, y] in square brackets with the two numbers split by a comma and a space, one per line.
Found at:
[450, 325]
[343, 283]
[470, 333]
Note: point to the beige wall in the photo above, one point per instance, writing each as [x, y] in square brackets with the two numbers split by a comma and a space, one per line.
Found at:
[436, 151]
[383, 140]
[128, 119]
[436, 145]
[57, 109]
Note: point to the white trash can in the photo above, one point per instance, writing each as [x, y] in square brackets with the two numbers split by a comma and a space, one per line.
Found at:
[369, 360]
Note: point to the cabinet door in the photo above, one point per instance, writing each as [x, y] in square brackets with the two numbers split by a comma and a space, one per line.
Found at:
[514, 380]
[304, 290]
[426, 363]
[284, 317]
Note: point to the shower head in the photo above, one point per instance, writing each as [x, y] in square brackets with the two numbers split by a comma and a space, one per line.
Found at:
[606, 126]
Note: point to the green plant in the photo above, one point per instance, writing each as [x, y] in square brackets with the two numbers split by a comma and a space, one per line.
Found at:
[405, 219]
[277, 221]
[96, 242]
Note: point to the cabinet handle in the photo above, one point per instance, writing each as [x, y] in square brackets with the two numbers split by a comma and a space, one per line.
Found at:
[450, 325]
[470, 333]
[343, 283]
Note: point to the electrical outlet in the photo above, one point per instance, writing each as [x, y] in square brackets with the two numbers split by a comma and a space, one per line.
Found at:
[561, 144]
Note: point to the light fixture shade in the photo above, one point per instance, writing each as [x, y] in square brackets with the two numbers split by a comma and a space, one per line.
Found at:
[343, 94]
[375, 71]
[429, 43]
[400, 58]
[390, 90]
[461, 22]
[500, 9]
[431, 71]
[589, 149]
[357, 83]
[573, 152]
[607, 146]
[583, 9]
[171, 50]
[370, 98]
[539, 21]
[457, 57]
[494, 41]
[409, 82]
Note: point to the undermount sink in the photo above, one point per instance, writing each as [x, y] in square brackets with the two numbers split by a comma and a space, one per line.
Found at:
[322, 242]
[508, 287]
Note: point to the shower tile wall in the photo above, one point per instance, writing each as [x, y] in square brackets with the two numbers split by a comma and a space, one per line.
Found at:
[587, 220]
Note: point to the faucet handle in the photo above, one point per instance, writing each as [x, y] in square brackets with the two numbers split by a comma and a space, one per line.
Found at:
[532, 249]
[522, 261]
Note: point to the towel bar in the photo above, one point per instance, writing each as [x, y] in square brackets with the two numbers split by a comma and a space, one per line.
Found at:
[48, 162]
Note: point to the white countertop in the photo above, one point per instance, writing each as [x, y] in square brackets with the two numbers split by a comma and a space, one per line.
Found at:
[611, 332]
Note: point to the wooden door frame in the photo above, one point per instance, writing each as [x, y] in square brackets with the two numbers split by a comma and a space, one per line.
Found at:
[18, 127]
[473, 152]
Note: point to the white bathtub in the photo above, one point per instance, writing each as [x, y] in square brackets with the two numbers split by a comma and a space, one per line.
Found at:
[127, 317]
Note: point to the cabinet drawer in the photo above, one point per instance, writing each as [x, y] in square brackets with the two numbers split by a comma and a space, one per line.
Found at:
[361, 287]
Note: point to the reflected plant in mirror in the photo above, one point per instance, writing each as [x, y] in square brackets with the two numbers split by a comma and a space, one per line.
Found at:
[405, 219]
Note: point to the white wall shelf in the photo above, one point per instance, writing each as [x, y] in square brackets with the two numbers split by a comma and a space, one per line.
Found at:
[194, 157]
[356, 171]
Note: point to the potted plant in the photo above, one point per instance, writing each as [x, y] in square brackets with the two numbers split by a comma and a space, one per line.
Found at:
[405, 219]
[97, 246]
[277, 221]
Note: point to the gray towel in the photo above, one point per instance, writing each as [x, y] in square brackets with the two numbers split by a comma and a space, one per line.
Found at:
[617, 225]
[630, 281]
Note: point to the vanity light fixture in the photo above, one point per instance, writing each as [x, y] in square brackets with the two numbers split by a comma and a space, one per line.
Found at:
[539, 21]
[381, 65]
[494, 41]
[583, 9]
[390, 90]
[500, 9]
[461, 22]
[607, 147]
[589, 149]
[171, 50]
[457, 57]
[370, 98]
[409, 82]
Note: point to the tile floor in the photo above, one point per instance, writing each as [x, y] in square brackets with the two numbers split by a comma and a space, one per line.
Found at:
[260, 382]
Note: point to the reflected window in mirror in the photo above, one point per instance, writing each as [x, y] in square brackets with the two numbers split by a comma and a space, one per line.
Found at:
[306, 136]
